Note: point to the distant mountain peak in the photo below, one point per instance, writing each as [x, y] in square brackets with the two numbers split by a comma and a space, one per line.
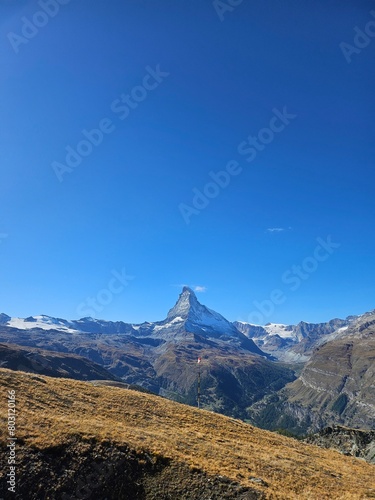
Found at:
[198, 318]
[187, 301]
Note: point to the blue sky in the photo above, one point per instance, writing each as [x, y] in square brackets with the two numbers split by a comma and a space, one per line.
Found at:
[214, 83]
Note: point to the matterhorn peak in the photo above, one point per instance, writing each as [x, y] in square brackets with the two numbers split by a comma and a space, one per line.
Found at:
[198, 318]
[186, 301]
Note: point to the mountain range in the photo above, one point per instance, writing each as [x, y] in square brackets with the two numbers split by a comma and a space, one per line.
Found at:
[336, 385]
[294, 343]
[274, 375]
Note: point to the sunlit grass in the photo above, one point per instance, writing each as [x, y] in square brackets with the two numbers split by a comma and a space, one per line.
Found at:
[52, 411]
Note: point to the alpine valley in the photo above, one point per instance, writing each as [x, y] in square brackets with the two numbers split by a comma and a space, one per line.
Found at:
[300, 378]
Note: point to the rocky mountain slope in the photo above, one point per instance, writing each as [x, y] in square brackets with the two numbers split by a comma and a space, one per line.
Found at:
[293, 343]
[351, 442]
[80, 441]
[53, 364]
[162, 356]
[335, 387]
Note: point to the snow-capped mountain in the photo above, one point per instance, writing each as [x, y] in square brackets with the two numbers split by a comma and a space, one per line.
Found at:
[294, 343]
[198, 318]
[43, 322]
[83, 325]
[187, 317]
[270, 329]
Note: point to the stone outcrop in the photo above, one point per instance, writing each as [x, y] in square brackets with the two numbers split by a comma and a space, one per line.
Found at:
[353, 442]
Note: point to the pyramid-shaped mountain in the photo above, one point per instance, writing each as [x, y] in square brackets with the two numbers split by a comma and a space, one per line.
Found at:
[198, 318]
[188, 318]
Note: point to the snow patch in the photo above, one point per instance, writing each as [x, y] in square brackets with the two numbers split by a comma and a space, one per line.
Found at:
[42, 322]
[279, 329]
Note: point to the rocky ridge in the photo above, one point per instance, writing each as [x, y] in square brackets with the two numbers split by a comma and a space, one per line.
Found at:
[351, 442]
[336, 386]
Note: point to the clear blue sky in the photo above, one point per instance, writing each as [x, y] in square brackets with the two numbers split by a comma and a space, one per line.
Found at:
[119, 208]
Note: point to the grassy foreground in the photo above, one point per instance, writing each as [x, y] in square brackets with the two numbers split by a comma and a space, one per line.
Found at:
[51, 412]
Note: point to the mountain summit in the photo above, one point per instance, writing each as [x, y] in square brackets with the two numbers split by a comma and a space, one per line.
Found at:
[198, 318]
[186, 303]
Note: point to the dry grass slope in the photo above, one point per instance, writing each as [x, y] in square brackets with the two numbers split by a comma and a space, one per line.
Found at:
[52, 411]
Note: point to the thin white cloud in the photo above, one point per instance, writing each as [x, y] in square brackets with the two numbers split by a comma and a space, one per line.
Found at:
[196, 288]
[278, 229]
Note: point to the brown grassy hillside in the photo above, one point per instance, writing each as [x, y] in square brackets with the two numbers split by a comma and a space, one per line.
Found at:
[55, 414]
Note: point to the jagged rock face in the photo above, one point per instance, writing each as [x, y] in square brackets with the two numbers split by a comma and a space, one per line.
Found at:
[251, 331]
[314, 330]
[311, 335]
[4, 318]
[186, 306]
[293, 343]
[197, 318]
[352, 442]
[335, 387]
[338, 382]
